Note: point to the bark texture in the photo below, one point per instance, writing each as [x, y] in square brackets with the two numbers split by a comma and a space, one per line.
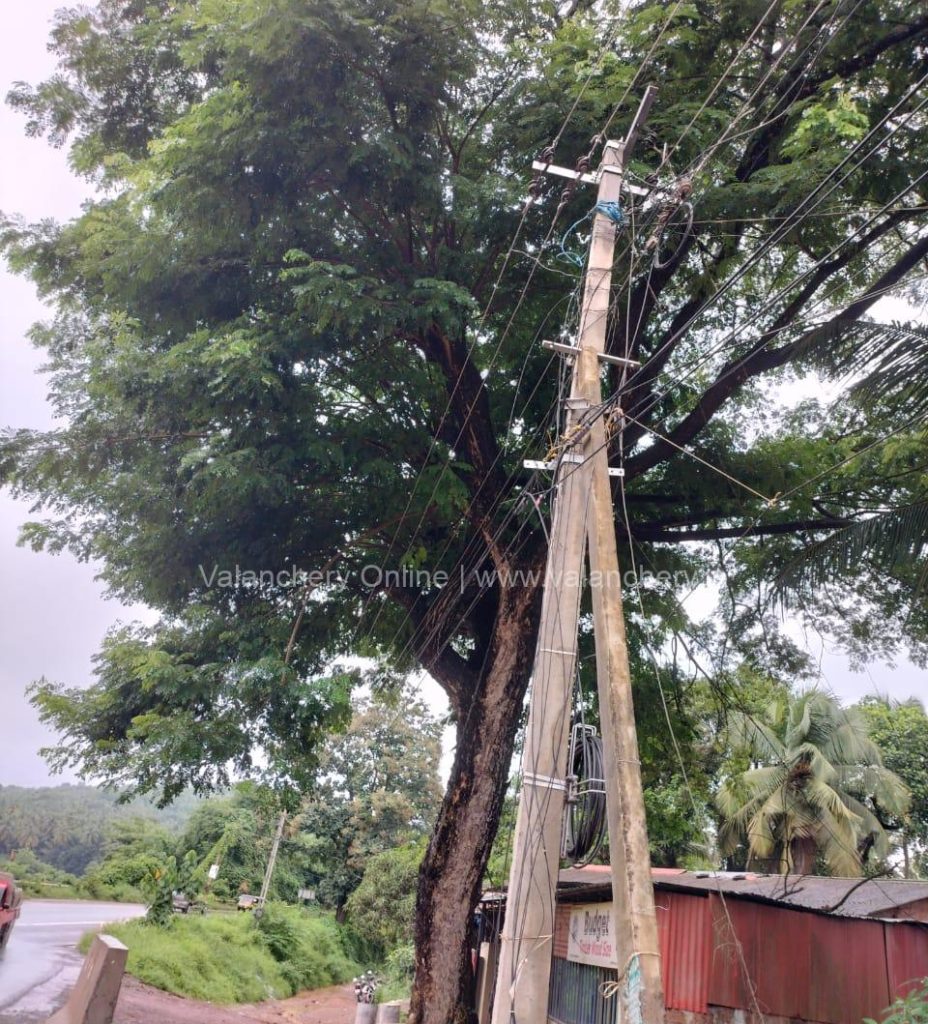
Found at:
[451, 874]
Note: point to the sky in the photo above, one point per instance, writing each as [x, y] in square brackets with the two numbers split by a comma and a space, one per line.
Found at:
[53, 612]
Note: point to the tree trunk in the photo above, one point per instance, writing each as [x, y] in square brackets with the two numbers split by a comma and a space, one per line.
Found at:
[452, 872]
[803, 852]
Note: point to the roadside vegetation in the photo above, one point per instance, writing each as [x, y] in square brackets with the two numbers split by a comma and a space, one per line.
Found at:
[229, 958]
[356, 840]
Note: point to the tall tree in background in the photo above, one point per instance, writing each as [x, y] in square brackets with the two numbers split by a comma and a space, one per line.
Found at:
[299, 325]
[378, 789]
[900, 730]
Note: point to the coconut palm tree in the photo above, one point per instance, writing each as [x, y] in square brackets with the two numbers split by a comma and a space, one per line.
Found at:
[815, 787]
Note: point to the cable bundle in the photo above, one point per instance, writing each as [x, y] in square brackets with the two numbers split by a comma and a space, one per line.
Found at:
[585, 827]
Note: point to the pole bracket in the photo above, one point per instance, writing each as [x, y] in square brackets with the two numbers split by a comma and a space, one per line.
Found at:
[604, 357]
[550, 467]
[543, 781]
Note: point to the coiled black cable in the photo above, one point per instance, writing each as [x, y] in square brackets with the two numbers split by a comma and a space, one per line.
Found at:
[585, 828]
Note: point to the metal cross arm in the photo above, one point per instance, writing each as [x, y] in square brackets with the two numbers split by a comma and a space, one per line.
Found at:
[627, 145]
[587, 178]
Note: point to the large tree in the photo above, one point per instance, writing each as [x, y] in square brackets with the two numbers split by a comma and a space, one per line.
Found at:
[299, 324]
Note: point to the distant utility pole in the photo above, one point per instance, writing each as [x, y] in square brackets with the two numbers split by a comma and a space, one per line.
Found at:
[271, 861]
[583, 513]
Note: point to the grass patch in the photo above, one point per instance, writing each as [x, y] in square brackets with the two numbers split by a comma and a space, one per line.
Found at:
[227, 958]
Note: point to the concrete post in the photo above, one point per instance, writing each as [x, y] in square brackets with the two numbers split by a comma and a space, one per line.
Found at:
[366, 1013]
[93, 998]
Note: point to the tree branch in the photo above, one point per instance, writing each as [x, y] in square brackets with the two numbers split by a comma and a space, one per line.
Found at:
[761, 359]
[646, 532]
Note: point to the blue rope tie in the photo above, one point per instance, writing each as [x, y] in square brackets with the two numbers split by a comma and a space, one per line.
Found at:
[565, 255]
[611, 209]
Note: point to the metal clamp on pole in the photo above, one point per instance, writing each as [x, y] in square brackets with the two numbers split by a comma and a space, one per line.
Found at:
[543, 781]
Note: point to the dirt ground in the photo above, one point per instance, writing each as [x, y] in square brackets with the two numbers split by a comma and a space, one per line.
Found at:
[140, 1004]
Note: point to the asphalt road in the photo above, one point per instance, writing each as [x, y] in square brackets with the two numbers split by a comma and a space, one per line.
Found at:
[40, 963]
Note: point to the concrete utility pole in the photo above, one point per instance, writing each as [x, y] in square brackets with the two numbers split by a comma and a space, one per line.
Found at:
[582, 510]
[632, 890]
[271, 861]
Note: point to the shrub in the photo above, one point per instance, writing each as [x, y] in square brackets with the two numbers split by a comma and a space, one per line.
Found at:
[383, 905]
[308, 946]
[909, 1009]
[398, 972]
[229, 958]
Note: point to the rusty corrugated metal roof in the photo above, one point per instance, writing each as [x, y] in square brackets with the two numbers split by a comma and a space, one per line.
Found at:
[845, 897]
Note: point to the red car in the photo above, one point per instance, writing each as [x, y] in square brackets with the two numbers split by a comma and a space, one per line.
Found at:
[11, 900]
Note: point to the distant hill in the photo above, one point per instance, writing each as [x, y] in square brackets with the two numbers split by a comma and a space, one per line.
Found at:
[65, 825]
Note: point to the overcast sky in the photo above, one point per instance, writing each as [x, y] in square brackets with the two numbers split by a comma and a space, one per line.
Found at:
[52, 610]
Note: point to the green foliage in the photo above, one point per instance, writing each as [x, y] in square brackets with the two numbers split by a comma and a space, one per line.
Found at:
[309, 947]
[162, 881]
[911, 1008]
[236, 832]
[224, 958]
[111, 846]
[37, 878]
[383, 905]
[262, 320]
[133, 848]
[71, 826]
[398, 972]
[900, 730]
[816, 786]
[378, 789]
[676, 835]
[283, 335]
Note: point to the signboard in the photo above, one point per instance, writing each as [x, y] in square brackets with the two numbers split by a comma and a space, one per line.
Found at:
[590, 938]
[213, 872]
[306, 894]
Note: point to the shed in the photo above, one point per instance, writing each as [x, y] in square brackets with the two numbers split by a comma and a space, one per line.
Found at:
[737, 946]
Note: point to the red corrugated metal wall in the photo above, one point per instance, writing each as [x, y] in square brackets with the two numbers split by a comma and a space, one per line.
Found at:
[732, 923]
[849, 979]
[685, 925]
[906, 957]
[801, 965]
[775, 970]
[809, 966]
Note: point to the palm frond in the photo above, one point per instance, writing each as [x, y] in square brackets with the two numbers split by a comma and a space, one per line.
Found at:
[800, 720]
[895, 538]
[762, 841]
[822, 769]
[840, 853]
[827, 801]
[849, 741]
[736, 802]
[869, 825]
[893, 359]
[878, 782]
[749, 733]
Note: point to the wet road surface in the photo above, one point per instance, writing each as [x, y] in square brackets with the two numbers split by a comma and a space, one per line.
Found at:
[40, 963]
